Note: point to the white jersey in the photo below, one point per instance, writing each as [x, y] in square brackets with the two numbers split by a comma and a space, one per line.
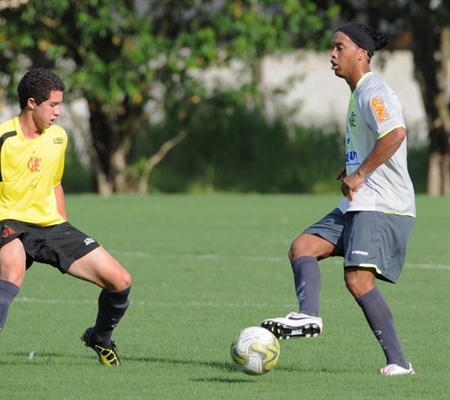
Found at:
[374, 111]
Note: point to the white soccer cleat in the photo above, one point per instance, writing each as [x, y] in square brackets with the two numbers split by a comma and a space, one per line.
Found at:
[294, 325]
[394, 369]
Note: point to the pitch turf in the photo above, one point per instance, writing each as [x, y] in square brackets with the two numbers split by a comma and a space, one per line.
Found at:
[205, 267]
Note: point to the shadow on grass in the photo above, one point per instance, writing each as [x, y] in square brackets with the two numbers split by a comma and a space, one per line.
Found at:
[45, 358]
[227, 366]
[224, 366]
[223, 380]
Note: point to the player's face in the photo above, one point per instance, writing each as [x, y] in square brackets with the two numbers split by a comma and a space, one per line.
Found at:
[46, 113]
[344, 55]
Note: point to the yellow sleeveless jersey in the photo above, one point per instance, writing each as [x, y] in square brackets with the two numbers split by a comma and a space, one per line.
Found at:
[29, 172]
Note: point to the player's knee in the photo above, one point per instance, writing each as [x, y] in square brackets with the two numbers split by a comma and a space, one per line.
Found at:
[351, 283]
[358, 284]
[116, 278]
[125, 279]
[297, 248]
[310, 245]
[15, 276]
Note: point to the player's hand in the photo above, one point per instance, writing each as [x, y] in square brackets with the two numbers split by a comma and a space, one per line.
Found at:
[351, 184]
[342, 174]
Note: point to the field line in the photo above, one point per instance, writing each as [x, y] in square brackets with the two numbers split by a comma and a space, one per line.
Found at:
[149, 303]
[280, 259]
[207, 256]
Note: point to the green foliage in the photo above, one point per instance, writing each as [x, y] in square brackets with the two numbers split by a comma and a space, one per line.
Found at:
[99, 48]
[110, 51]
[215, 265]
[418, 167]
[120, 57]
[258, 28]
[240, 149]
[77, 176]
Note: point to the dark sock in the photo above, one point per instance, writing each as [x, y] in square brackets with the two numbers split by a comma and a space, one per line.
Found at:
[111, 308]
[8, 291]
[381, 321]
[307, 284]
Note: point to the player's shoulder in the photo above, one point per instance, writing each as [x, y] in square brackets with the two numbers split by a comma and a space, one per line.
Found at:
[7, 126]
[374, 87]
[58, 131]
[372, 84]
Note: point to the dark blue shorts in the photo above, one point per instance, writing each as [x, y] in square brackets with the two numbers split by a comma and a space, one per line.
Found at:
[368, 239]
[56, 245]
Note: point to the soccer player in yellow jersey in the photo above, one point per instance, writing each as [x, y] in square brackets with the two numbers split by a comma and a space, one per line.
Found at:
[33, 220]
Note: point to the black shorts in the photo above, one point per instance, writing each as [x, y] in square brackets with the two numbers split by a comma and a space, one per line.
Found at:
[56, 245]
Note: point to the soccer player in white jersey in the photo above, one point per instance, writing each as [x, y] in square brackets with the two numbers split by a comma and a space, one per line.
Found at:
[371, 226]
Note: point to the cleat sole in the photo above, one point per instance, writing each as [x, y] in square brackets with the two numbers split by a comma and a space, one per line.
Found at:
[288, 332]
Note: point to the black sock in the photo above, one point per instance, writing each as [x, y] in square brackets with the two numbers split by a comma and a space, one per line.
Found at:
[111, 308]
[307, 284]
[381, 321]
[8, 291]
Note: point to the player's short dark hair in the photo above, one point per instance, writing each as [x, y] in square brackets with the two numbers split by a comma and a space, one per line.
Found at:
[38, 83]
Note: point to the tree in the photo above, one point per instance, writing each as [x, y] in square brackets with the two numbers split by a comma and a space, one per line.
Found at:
[122, 55]
[431, 48]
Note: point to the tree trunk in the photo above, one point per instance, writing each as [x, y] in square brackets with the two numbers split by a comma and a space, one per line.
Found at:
[110, 147]
[443, 106]
[432, 75]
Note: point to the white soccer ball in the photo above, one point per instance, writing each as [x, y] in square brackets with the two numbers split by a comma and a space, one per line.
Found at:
[255, 351]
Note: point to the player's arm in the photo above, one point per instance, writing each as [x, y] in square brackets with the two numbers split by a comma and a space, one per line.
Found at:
[383, 150]
[60, 202]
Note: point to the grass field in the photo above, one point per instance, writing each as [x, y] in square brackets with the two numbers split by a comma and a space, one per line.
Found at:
[205, 267]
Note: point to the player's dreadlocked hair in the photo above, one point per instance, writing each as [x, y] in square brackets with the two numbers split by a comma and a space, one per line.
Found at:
[380, 38]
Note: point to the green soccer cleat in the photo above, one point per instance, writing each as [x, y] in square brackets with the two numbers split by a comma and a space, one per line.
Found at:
[106, 355]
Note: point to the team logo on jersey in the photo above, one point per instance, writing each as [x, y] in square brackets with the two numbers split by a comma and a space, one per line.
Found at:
[351, 158]
[58, 140]
[34, 164]
[379, 110]
[352, 120]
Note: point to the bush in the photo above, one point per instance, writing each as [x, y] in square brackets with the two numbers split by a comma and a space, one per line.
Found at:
[77, 177]
[418, 167]
[233, 147]
[243, 151]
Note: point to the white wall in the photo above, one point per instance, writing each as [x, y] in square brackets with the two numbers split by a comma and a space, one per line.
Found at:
[325, 97]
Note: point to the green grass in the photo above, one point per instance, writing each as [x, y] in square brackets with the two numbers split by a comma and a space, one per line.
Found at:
[205, 267]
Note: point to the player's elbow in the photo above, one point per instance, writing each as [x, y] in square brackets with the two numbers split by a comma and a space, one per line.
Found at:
[400, 134]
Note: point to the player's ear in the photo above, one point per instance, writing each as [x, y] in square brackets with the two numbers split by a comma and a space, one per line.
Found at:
[363, 55]
[31, 103]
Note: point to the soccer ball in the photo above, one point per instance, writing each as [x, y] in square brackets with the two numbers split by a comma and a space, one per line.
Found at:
[255, 351]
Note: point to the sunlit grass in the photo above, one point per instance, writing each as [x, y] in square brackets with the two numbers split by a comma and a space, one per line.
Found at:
[203, 268]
